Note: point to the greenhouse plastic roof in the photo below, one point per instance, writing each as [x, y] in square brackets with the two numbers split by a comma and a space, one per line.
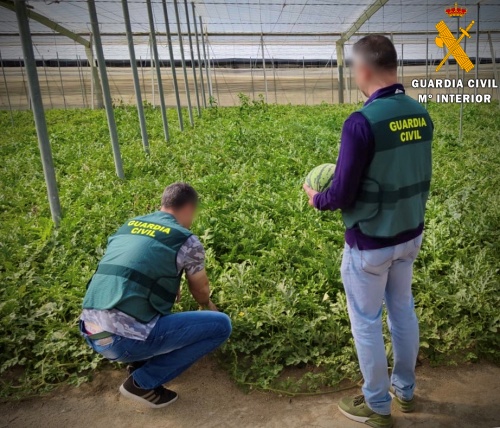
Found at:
[288, 21]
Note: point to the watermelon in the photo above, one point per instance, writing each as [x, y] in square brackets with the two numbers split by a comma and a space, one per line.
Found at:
[320, 178]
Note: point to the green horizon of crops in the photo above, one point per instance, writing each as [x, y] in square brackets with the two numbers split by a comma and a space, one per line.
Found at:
[273, 261]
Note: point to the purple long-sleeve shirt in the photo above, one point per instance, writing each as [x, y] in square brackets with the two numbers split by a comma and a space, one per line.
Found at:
[357, 147]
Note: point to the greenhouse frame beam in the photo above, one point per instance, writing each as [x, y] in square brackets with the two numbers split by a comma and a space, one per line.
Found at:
[63, 31]
[48, 23]
[365, 16]
[346, 35]
[216, 34]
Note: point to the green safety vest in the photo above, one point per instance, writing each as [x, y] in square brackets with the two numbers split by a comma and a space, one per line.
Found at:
[395, 186]
[138, 273]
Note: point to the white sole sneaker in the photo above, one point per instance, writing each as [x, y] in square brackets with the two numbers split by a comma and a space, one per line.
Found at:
[361, 419]
[134, 397]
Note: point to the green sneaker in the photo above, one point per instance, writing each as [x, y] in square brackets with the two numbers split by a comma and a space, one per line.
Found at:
[405, 406]
[357, 410]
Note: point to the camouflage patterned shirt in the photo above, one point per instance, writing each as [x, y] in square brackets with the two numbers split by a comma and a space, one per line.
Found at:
[190, 258]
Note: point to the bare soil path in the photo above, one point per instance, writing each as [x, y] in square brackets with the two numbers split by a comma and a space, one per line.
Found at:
[465, 396]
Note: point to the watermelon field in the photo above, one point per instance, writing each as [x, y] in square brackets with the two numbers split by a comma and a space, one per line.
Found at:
[273, 261]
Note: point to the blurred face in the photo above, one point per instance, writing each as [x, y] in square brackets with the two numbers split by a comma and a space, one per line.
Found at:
[363, 74]
[185, 215]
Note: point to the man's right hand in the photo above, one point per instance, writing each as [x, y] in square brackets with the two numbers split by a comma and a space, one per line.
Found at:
[200, 289]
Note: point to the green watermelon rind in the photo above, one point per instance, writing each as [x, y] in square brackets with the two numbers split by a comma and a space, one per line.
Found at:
[319, 177]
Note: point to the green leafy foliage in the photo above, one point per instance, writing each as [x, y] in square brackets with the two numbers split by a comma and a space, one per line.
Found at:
[273, 261]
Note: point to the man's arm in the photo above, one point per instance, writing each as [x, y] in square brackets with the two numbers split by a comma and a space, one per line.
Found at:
[199, 287]
[191, 259]
[355, 154]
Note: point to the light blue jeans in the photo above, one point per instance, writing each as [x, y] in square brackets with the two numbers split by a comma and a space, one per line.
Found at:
[372, 277]
[175, 343]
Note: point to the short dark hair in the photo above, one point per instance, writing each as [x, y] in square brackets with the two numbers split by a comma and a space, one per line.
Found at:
[377, 51]
[178, 195]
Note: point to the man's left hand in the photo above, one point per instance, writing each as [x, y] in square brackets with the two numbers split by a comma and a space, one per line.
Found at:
[310, 194]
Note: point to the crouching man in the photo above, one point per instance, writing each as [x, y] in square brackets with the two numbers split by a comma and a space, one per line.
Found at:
[126, 310]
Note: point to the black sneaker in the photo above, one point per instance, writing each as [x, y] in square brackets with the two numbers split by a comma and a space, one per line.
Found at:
[154, 398]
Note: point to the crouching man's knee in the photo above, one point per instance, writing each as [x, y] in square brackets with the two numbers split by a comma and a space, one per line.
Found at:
[225, 325]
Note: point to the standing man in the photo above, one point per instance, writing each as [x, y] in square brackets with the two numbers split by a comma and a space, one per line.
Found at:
[127, 308]
[381, 185]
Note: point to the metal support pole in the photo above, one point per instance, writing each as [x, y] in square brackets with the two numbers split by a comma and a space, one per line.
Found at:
[47, 83]
[209, 83]
[304, 79]
[96, 86]
[349, 84]
[92, 86]
[426, 70]
[340, 70]
[193, 64]
[83, 83]
[263, 64]
[213, 71]
[183, 61]
[135, 75]
[350, 87]
[154, 48]
[447, 68]
[172, 66]
[152, 72]
[28, 98]
[6, 90]
[142, 75]
[82, 88]
[251, 77]
[61, 81]
[200, 65]
[274, 83]
[215, 80]
[460, 132]
[38, 112]
[209, 65]
[331, 66]
[402, 64]
[458, 35]
[477, 48]
[108, 104]
[494, 62]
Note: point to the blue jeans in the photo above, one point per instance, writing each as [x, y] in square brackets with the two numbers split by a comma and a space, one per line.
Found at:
[371, 277]
[174, 344]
